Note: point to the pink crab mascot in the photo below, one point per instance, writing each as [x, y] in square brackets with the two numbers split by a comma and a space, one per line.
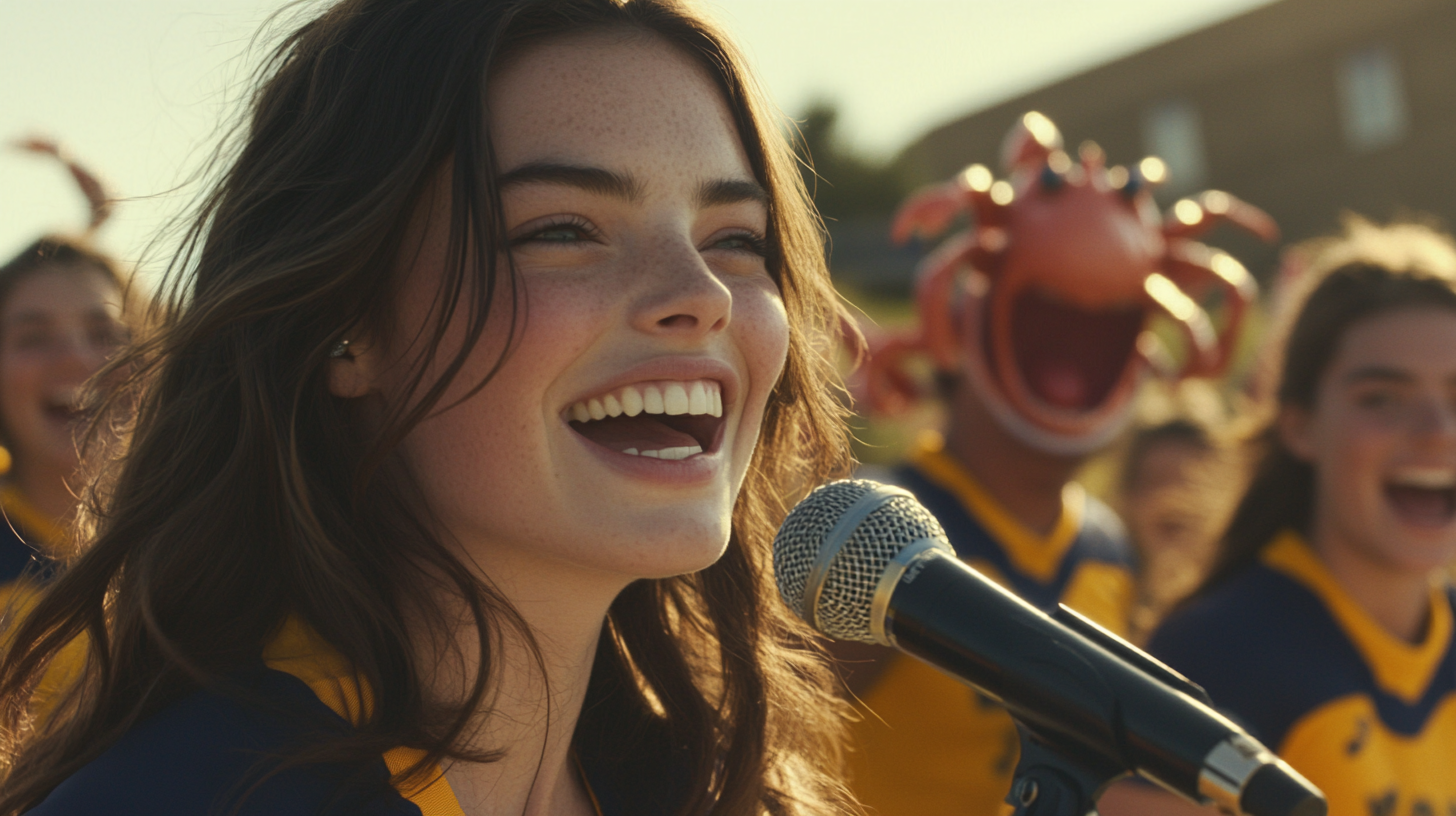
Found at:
[1037, 322]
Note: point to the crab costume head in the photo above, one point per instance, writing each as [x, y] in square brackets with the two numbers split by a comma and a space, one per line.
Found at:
[1043, 306]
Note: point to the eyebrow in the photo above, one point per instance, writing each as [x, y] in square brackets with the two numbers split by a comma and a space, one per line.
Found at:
[591, 179]
[714, 193]
[625, 186]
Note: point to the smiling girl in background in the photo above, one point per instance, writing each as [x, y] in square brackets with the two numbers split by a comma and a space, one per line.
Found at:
[60, 319]
[1325, 625]
[489, 370]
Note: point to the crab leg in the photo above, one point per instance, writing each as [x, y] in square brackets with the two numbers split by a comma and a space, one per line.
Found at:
[883, 381]
[1192, 218]
[1193, 266]
[1205, 354]
[929, 212]
[936, 290]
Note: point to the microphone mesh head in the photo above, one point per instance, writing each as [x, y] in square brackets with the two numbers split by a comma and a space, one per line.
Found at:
[859, 556]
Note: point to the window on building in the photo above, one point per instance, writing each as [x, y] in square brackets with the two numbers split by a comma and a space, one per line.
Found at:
[1372, 102]
[1173, 132]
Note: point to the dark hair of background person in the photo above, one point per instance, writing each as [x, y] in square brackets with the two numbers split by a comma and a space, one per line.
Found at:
[244, 492]
[1179, 431]
[1367, 271]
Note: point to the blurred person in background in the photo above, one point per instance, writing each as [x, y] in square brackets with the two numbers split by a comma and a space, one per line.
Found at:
[61, 318]
[1173, 474]
[1036, 324]
[1325, 625]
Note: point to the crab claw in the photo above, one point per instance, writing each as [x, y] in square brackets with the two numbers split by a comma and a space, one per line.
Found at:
[1193, 217]
[928, 212]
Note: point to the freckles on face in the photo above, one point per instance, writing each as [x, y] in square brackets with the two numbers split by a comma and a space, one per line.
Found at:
[616, 434]
[1382, 439]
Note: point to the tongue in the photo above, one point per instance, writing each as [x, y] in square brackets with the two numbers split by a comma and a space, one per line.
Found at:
[643, 432]
[1061, 384]
[1417, 505]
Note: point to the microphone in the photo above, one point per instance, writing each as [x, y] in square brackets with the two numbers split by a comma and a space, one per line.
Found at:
[858, 560]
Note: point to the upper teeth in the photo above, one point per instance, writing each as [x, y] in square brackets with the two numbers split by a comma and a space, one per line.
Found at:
[1429, 478]
[671, 398]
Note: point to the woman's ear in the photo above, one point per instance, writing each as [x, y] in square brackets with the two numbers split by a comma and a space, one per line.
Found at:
[1296, 431]
[353, 368]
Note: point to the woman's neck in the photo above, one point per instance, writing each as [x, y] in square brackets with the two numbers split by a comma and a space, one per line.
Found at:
[533, 702]
[1398, 599]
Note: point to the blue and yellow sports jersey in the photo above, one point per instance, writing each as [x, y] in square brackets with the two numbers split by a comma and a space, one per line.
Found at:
[27, 538]
[1366, 716]
[201, 753]
[927, 745]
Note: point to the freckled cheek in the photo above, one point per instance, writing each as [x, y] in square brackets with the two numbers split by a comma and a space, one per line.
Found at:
[763, 327]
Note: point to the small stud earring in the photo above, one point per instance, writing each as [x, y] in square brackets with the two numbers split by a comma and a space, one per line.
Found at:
[340, 349]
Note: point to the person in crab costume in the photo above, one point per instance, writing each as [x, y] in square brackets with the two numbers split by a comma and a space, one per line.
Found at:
[1037, 323]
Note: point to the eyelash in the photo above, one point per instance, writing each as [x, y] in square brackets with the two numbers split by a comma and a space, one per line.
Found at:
[754, 243]
[575, 222]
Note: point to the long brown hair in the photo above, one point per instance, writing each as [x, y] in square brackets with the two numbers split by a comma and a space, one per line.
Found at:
[245, 492]
[1367, 271]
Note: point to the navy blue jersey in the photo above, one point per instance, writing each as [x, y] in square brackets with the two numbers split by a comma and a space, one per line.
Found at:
[201, 754]
[216, 748]
[1366, 716]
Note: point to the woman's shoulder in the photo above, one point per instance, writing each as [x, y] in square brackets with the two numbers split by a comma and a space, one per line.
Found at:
[1251, 642]
[215, 748]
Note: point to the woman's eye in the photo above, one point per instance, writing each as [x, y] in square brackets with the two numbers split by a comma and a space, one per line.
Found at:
[108, 337]
[31, 341]
[574, 231]
[743, 242]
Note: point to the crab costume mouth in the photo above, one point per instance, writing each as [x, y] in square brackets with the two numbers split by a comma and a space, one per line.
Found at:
[1059, 375]
[1069, 358]
[662, 419]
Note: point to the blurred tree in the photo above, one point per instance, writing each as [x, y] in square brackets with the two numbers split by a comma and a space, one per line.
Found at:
[845, 184]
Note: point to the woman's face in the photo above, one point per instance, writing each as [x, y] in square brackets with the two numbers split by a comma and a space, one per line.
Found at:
[56, 329]
[616, 435]
[1382, 439]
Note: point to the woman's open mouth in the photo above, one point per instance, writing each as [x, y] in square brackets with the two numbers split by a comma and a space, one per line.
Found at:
[663, 419]
[1424, 496]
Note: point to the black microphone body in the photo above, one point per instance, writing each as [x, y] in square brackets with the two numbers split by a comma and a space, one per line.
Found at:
[1078, 690]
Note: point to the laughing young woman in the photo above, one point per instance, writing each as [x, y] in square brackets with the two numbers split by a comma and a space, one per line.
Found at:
[456, 457]
[1326, 623]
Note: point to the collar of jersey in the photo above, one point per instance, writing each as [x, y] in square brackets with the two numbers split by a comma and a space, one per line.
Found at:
[1035, 555]
[21, 513]
[299, 651]
[1402, 669]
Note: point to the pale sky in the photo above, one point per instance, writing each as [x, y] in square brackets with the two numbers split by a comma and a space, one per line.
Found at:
[137, 88]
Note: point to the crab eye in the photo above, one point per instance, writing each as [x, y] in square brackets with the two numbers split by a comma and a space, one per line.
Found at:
[1051, 180]
[1133, 186]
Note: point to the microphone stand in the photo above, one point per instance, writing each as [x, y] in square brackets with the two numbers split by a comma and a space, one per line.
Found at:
[1045, 783]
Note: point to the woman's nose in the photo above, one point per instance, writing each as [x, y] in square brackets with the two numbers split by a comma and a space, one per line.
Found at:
[683, 296]
[1436, 418]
